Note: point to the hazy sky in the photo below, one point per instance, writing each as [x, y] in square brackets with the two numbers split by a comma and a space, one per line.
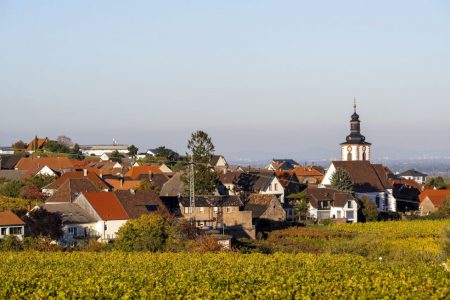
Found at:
[264, 78]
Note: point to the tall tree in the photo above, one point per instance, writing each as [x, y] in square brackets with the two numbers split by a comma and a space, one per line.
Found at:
[368, 210]
[65, 141]
[341, 180]
[202, 149]
[133, 151]
[44, 223]
[19, 146]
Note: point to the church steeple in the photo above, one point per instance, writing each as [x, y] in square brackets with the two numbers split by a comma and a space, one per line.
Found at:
[355, 147]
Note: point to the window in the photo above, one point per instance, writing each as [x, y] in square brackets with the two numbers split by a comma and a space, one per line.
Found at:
[73, 230]
[229, 210]
[188, 210]
[349, 204]
[275, 187]
[377, 201]
[15, 230]
[3, 231]
[202, 209]
[350, 215]
[216, 209]
[270, 188]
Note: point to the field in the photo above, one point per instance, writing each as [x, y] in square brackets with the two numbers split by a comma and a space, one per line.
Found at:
[336, 271]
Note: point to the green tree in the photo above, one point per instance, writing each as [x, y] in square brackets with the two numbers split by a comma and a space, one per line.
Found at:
[341, 180]
[19, 146]
[133, 151]
[44, 223]
[55, 147]
[444, 210]
[147, 233]
[368, 209]
[41, 180]
[75, 152]
[116, 156]
[300, 203]
[438, 182]
[202, 150]
[147, 185]
[12, 188]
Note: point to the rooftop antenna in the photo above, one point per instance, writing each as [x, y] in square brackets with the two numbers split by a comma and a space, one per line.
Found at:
[191, 184]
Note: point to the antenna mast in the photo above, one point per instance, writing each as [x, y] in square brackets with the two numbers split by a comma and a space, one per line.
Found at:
[191, 184]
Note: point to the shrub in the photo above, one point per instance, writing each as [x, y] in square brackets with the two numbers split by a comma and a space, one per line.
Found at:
[147, 233]
[10, 243]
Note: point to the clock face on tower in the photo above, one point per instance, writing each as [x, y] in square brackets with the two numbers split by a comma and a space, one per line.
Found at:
[349, 148]
[364, 148]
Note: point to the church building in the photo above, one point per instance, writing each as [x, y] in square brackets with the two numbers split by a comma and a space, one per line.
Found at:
[368, 180]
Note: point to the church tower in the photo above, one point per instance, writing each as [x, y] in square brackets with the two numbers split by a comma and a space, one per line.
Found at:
[355, 148]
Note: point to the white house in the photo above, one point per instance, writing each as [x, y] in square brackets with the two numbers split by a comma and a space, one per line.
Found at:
[11, 225]
[106, 210]
[417, 176]
[369, 180]
[331, 204]
[99, 150]
[262, 182]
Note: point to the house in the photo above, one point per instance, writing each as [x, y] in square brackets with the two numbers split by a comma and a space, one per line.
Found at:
[368, 180]
[6, 151]
[412, 174]
[11, 225]
[77, 223]
[289, 182]
[431, 200]
[107, 211]
[308, 175]
[327, 203]
[265, 207]
[282, 164]
[135, 172]
[406, 192]
[40, 171]
[55, 185]
[56, 164]
[157, 180]
[71, 189]
[229, 180]
[262, 182]
[138, 203]
[36, 144]
[123, 184]
[174, 186]
[9, 162]
[218, 212]
[218, 162]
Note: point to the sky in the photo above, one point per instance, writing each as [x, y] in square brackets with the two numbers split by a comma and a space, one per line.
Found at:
[265, 79]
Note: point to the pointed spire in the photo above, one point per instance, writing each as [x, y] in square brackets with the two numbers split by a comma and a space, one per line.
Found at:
[354, 103]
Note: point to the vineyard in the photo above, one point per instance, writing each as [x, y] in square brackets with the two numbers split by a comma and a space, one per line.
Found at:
[413, 264]
[226, 275]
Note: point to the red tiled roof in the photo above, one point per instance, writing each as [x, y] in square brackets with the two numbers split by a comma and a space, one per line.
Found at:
[437, 197]
[106, 205]
[10, 218]
[40, 143]
[407, 182]
[54, 163]
[69, 175]
[285, 177]
[126, 185]
[307, 172]
[134, 172]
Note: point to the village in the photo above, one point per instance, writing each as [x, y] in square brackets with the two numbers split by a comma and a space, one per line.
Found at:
[96, 189]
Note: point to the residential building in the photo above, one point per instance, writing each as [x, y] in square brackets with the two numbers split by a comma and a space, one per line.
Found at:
[412, 174]
[71, 189]
[308, 175]
[219, 163]
[11, 225]
[99, 150]
[327, 203]
[56, 164]
[262, 182]
[431, 200]
[36, 144]
[265, 208]
[96, 180]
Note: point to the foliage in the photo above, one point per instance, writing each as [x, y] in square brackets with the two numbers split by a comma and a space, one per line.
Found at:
[133, 151]
[56, 147]
[444, 210]
[31, 191]
[147, 233]
[10, 243]
[368, 210]
[12, 189]
[146, 185]
[437, 182]
[116, 156]
[201, 147]
[300, 203]
[17, 204]
[43, 223]
[41, 180]
[341, 180]
[75, 152]
[65, 141]
[215, 276]
[202, 150]
[19, 146]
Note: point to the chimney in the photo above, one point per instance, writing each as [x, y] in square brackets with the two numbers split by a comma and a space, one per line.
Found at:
[150, 176]
[101, 174]
[85, 172]
[121, 181]
[132, 191]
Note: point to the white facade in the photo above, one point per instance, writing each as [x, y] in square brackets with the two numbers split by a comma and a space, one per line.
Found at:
[46, 171]
[384, 201]
[355, 152]
[274, 187]
[99, 150]
[349, 212]
[108, 229]
[12, 230]
[419, 179]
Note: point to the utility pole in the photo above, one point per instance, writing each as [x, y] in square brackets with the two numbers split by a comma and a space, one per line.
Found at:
[191, 184]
